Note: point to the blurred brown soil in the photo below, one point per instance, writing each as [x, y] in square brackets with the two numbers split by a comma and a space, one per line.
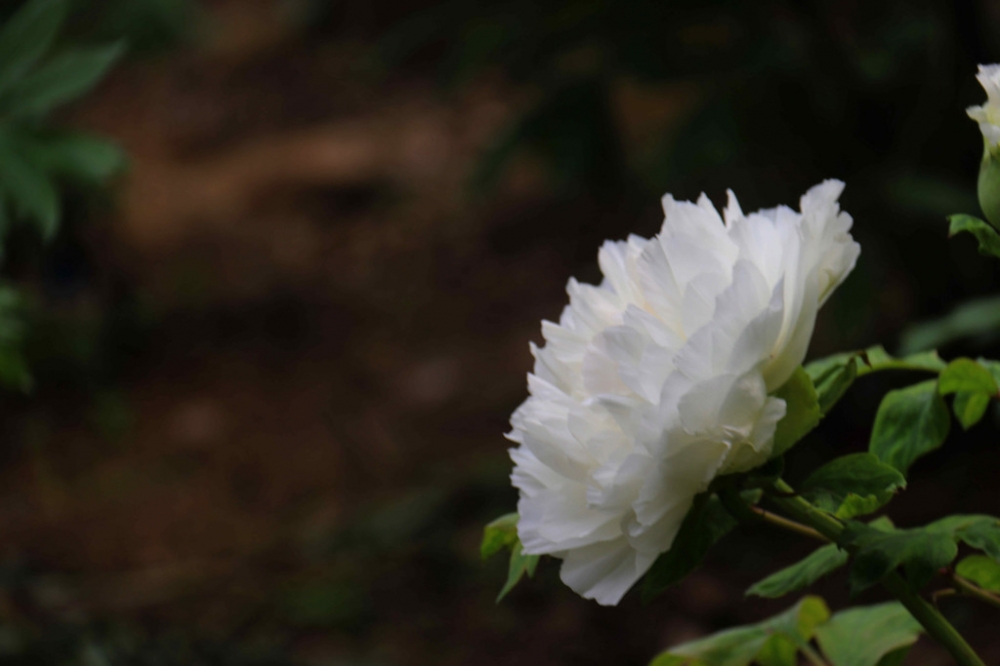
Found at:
[336, 328]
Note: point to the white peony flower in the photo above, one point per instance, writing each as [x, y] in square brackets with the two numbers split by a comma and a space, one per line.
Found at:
[988, 115]
[657, 380]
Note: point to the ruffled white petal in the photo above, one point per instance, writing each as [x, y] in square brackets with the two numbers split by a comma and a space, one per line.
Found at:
[658, 379]
[988, 115]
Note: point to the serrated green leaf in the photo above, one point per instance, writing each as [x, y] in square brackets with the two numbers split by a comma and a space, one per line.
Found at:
[989, 240]
[29, 191]
[741, 645]
[964, 374]
[920, 551]
[706, 522]
[27, 36]
[910, 423]
[970, 407]
[499, 534]
[60, 80]
[520, 564]
[76, 156]
[802, 412]
[981, 570]
[802, 574]
[866, 635]
[853, 485]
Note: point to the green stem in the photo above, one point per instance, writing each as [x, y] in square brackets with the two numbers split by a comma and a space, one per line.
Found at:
[928, 616]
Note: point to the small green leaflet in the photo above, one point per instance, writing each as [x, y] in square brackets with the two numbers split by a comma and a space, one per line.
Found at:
[500, 534]
[706, 522]
[989, 239]
[802, 411]
[977, 531]
[973, 385]
[853, 485]
[876, 635]
[802, 574]
[742, 645]
[966, 375]
[833, 375]
[27, 36]
[865, 636]
[981, 570]
[921, 552]
[910, 423]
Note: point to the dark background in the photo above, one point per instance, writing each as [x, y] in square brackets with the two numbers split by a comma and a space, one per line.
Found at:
[275, 361]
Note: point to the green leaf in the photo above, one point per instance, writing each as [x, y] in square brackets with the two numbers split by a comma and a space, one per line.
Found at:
[911, 422]
[500, 534]
[27, 36]
[981, 570]
[802, 411]
[520, 564]
[832, 386]
[978, 531]
[989, 240]
[865, 636]
[29, 191]
[970, 407]
[877, 359]
[706, 522]
[75, 156]
[853, 485]
[801, 574]
[964, 374]
[741, 645]
[60, 80]
[920, 551]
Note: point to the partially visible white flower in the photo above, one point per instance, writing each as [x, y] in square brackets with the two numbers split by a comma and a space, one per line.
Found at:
[658, 380]
[988, 115]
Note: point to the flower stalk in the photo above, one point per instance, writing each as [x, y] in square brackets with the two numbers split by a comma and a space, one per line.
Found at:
[830, 529]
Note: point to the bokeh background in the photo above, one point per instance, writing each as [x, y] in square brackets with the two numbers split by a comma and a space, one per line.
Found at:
[274, 360]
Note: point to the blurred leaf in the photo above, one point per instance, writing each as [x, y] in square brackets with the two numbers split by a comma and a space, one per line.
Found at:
[29, 190]
[910, 423]
[27, 36]
[706, 522]
[852, 485]
[61, 80]
[500, 534]
[865, 636]
[979, 317]
[741, 645]
[981, 570]
[920, 551]
[520, 564]
[75, 156]
[802, 411]
[802, 574]
[989, 239]
[964, 374]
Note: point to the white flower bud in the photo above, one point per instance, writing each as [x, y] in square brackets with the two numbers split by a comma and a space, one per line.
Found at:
[658, 380]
